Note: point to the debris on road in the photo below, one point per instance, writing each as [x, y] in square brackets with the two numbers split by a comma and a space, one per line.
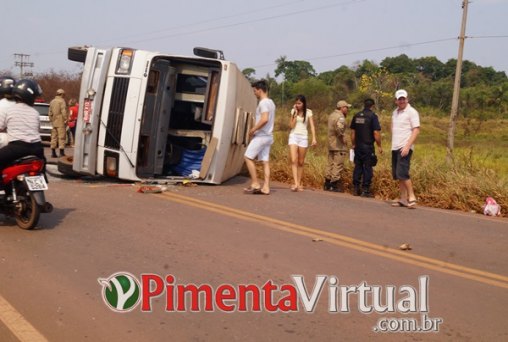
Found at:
[152, 189]
[405, 247]
[317, 240]
[188, 183]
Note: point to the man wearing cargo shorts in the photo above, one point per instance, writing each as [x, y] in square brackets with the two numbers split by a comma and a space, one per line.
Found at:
[58, 114]
[337, 148]
[261, 139]
[405, 129]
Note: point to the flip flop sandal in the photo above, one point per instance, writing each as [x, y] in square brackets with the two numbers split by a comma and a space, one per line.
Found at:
[260, 192]
[399, 204]
[411, 204]
[251, 190]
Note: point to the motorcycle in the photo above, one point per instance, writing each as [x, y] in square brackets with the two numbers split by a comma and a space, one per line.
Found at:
[22, 191]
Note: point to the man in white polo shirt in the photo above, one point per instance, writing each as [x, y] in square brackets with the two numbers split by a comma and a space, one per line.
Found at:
[405, 129]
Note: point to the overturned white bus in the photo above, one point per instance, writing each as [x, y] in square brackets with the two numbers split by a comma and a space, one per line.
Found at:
[150, 116]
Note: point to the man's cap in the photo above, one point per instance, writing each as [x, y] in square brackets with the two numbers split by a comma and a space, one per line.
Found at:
[342, 103]
[400, 93]
[60, 92]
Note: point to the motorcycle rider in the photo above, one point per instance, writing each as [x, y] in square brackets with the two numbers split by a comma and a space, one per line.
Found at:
[21, 122]
[6, 85]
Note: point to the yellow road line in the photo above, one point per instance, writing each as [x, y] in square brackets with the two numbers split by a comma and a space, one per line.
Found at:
[348, 242]
[17, 324]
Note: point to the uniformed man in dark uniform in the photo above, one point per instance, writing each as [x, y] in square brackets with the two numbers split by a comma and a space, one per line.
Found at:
[365, 130]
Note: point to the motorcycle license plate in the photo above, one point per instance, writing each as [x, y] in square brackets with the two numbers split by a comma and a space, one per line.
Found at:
[36, 183]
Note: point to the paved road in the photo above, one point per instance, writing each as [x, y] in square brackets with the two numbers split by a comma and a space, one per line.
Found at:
[216, 235]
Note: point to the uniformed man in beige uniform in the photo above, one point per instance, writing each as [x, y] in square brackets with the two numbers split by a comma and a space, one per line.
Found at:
[337, 147]
[58, 114]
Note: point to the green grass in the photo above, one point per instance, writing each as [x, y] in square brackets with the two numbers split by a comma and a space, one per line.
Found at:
[480, 166]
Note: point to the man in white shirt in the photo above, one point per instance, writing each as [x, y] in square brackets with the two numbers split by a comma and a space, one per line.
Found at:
[405, 129]
[261, 139]
[21, 121]
[6, 85]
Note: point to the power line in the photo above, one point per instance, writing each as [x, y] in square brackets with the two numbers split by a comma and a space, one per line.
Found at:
[319, 8]
[363, 51]
[369, 50]
[250, 12]
[250, 21]
[341, 3]
[387, 48]
[481, 37]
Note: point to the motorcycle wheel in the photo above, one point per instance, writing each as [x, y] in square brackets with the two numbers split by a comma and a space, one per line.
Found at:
[27, 211]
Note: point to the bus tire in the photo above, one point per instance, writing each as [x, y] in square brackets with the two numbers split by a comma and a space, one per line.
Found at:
[77, 54]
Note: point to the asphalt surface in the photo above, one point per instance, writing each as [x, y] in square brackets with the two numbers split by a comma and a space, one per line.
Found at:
[219, 235]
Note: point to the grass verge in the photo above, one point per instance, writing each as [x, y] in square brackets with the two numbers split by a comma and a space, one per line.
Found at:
[480, 167]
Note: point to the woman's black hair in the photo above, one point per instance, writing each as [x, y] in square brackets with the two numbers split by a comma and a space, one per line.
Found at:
[303, 100]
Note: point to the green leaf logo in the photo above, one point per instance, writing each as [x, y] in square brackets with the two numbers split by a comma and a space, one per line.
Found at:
[120, 291]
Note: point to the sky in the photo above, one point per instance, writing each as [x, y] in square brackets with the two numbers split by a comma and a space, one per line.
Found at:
[253, 34]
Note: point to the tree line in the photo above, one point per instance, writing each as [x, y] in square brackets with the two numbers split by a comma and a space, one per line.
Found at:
[484, 91]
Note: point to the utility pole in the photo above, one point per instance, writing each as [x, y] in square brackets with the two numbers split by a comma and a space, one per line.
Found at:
[22, 61]
[456, 87]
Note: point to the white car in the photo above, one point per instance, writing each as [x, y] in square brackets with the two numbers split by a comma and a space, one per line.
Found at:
[45, 125]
